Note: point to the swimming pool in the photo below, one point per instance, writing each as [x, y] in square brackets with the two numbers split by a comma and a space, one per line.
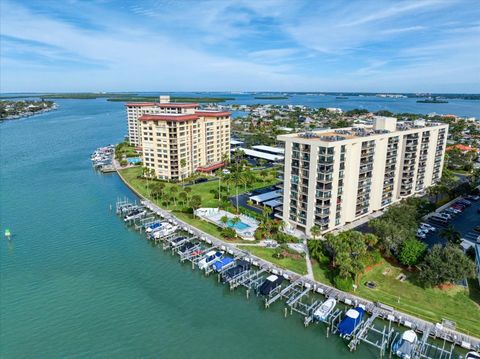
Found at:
[134, 160]
[239, 225]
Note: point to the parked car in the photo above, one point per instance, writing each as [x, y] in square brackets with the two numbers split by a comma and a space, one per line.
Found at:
[465, 202]
[473, 197]
[455, 210]
[458, 206]
[451, 211]
[439, 220]
[444, 215]
[420, 234]
[428, 227]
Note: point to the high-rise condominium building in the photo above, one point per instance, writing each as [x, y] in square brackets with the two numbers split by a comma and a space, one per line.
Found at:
[164, 106]
[333, 177]
[178, 139]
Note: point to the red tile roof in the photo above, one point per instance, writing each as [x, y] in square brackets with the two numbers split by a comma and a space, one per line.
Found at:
[177, 118]
[163, 105]
[210, 168]
[462, 148]
[212, 113]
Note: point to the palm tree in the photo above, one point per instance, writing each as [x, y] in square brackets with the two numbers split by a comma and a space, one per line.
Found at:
[250, 203]
[183, 196]
[315, 248]
[315, 231]
[188, 190]
[195, 202]
[266, 211]
[174, 190]
[451, 234]
[219, 174]
[235, 220]
[224, 220]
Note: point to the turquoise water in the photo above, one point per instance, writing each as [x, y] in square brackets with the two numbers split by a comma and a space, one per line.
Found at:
[75, 282]
[239, 225]
[134, 160]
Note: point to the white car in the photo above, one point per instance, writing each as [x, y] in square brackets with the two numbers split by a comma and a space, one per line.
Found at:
[444, 215]
[454, 210]
[421, 234]
[473, 198]
[427, 228]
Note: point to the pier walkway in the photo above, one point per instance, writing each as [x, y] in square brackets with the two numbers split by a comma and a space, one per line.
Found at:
[381, 311]
[376, 309]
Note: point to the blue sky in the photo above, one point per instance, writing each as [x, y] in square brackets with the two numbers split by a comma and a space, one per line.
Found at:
[240, 45]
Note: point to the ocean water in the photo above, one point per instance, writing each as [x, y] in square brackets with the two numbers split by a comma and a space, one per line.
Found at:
[75, 282]
[467, 108]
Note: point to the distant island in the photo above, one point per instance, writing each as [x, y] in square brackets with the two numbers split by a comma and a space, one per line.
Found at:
[118, 97]
[10, 110]
[432, 100]
[271, 97]
[172, 99]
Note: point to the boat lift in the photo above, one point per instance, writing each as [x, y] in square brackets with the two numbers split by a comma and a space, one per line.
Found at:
[250, 279]
[175, 245]
[287, 292]
[336, 323]
[141, 223]
[191, 253]
[297, 294]
[368, 333]
[426, 350]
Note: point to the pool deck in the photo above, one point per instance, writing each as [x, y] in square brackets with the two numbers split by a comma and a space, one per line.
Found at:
[214, 215]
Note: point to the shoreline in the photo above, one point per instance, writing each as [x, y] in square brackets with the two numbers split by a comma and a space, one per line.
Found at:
[30, 114]
[350, 299]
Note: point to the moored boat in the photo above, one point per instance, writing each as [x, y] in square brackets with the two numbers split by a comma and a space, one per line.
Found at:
[472, 355]
[222, 263]
[209, 258]
[272, 282]
[325, 309]
[353, 318]
[405, 346]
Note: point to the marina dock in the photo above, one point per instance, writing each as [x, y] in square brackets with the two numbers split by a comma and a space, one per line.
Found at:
[299, 292]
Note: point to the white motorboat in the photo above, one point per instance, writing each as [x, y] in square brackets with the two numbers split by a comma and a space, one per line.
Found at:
[325, 309]
[166, 230]
[472, 355]
[209, 258]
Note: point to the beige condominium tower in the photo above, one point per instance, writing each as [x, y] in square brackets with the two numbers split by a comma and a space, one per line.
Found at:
[334, 177]
[178, 139]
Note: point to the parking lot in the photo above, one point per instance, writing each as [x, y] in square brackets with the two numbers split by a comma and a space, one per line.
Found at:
[463, 222]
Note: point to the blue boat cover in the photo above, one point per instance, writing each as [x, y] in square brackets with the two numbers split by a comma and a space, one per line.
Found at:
[219, 264]
[350, 322]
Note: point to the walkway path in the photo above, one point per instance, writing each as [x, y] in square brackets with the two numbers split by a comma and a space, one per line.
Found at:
[309, 263]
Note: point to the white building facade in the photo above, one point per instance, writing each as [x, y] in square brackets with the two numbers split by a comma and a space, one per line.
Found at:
[334, 177]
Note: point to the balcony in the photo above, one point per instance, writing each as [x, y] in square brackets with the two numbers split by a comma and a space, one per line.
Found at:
[365, 169]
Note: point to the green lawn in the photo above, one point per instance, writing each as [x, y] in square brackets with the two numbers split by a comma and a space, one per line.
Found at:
[201, 189]
[431, 304]
[321, 272]
[298, 266]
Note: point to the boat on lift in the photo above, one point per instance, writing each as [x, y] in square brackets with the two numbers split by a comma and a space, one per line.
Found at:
[351, 321]
[271, 283]
[405, 346]
[322, 312]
